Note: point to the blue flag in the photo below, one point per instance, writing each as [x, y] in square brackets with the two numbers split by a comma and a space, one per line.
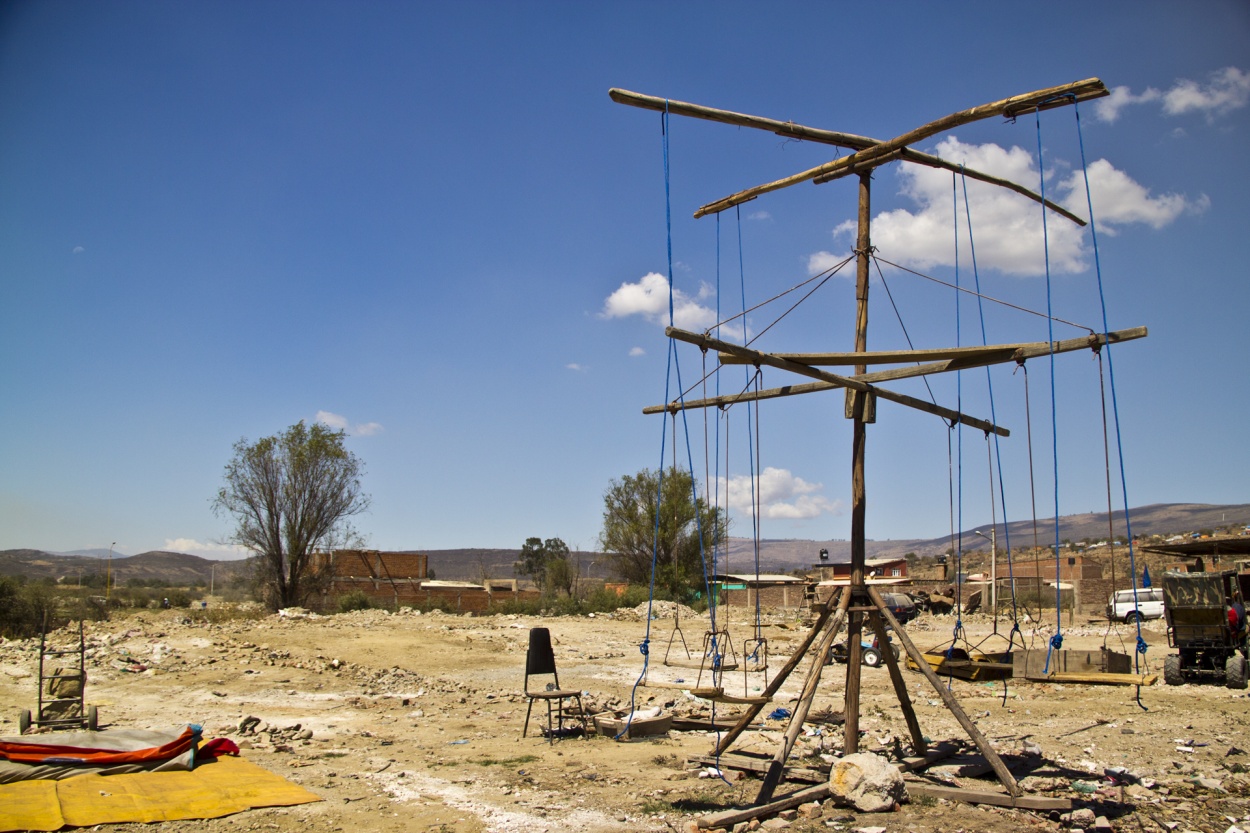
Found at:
[1145, 576]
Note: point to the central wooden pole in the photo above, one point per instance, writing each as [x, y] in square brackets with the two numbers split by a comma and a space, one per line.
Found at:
[859, 407]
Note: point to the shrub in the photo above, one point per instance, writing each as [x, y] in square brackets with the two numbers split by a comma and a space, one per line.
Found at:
[355, 600]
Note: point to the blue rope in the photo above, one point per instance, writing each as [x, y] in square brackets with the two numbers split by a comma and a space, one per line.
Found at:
[1056, 641]
[1115, 409]
[752, 448]
[645, 647]
[994, 418]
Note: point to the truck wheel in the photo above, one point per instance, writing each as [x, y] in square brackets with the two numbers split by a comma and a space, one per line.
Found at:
[23, 721]
[871, 657]
[1235, 672]
[1172, 670]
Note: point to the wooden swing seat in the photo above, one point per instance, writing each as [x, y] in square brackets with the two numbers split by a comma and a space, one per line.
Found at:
[697, 665]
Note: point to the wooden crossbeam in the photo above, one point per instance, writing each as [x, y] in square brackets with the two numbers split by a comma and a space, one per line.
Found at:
[790, 130]
[998, 353]
[834, 380]
[976, 357]
[1039, 99]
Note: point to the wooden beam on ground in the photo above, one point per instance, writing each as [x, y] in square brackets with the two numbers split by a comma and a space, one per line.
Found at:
[820, 792]
[1011, 107]
[706, 342]
[729, 818]
[756, 766]
[1020, 802]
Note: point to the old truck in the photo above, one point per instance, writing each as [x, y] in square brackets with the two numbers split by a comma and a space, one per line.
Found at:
[1206, 616]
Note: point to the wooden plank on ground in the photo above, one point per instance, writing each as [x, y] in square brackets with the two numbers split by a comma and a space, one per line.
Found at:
[1023, 802]
[755, 765]
[729, 818]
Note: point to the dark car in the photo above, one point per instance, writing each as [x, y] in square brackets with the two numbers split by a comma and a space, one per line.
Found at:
[901, 605]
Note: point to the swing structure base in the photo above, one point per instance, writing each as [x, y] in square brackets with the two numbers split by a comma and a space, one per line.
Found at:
[1101, 667]
[973, 666]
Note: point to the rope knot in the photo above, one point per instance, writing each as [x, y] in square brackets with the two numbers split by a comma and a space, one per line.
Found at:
[1056, 641]
[645, 647]
[1141, 645]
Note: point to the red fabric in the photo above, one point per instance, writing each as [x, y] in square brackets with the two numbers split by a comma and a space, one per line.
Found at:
[38, 753]
[218, 746]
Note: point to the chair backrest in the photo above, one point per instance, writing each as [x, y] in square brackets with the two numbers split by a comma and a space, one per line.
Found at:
[540, 658]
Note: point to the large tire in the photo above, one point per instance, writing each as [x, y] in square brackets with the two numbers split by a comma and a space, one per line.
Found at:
[1132, 617]
[23, 721]
[1235, 671]
[1172, 670]
[871, 657]
[93, 718]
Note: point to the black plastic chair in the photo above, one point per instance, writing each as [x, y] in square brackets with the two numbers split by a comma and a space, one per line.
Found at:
[540, 661]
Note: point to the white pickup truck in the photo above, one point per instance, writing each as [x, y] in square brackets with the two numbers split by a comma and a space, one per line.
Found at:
[1148, 605]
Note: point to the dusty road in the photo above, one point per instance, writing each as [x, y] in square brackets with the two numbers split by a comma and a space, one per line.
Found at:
[413, 722]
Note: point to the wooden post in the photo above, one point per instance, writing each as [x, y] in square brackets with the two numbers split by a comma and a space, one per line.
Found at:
[850, 730]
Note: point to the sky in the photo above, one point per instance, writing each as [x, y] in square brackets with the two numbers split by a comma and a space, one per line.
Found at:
[429, 226]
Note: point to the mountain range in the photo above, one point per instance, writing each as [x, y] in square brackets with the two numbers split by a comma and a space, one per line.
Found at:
[776, 555]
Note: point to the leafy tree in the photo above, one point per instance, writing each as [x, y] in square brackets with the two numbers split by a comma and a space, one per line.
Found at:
[288, 495]
[547, 563]
[630, 535]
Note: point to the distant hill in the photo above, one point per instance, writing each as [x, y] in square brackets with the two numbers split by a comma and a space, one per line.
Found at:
[174, 567]
[776, 555]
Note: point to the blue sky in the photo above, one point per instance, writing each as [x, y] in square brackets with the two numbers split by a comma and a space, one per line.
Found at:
[429, 225]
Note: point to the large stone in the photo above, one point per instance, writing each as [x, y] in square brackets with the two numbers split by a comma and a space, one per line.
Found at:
[868, 782]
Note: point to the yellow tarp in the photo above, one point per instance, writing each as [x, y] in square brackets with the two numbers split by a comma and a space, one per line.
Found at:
[219, 788]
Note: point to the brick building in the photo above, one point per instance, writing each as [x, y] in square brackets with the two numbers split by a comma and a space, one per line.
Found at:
[396, 579]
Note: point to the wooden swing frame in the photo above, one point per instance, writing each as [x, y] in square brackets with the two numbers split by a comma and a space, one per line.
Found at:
[860, 604]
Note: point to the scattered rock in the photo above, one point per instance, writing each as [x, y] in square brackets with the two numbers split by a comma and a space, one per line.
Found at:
[867, 782]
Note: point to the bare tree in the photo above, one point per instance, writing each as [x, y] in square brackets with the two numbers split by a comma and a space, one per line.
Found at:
[288, 495]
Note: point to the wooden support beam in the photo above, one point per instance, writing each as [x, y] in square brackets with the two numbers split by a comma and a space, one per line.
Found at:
[900, 685]
[777, 767]
[976, 357]
[707, 342]
[1010, 107]
[952, 705]
[790, 130]
[822, 620]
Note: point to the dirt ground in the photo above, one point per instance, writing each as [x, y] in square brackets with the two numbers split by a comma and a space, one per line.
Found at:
[413, 722]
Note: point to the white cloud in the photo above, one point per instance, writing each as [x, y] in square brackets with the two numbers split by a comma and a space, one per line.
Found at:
[824, 261]
[648, 297]
[1108, 109]
[1118, 199]
[637, 351]
[79, 250]
[1005, 226]
[341, 423]
[781, 495]
[759, 215]
[1227, 89]
[575, 366]
[226, 552]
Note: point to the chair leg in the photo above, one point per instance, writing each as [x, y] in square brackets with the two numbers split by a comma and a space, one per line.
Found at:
[527, 717]
[551, 734]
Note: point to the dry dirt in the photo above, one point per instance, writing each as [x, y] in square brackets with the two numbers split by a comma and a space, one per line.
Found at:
[416, 721]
